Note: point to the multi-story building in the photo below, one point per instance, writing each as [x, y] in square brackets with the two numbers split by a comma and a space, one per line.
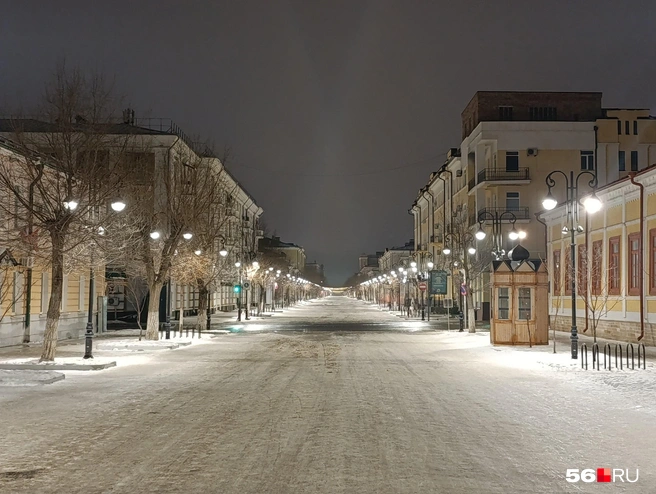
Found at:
[615, 251]
[151, 151]
[295, 254]
[511, 142]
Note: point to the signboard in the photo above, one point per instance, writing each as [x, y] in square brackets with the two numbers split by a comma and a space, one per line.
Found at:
[422, 286]
[438, 282]
[448, 303]
[463, 289]
[246, 285]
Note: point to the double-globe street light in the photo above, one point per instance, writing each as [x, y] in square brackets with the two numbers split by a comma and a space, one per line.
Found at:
[454, 242]
[421, 269]
[592, 204]
[497, 236]
[71, 204]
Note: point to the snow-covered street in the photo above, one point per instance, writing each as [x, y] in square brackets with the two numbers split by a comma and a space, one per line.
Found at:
[332, 396]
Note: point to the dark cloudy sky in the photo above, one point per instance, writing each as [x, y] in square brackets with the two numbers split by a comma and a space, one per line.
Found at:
[336, 111]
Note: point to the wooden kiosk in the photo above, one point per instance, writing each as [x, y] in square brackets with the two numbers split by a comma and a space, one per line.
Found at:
[520, 303]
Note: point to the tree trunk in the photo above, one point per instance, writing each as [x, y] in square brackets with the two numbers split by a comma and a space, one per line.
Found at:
[201, 319]
[152, 324]
[471, 314]
[54, 304]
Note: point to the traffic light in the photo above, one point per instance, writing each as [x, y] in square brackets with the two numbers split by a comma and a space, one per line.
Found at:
[236, 288]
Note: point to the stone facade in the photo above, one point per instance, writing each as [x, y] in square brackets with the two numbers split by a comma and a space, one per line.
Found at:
[612, 330]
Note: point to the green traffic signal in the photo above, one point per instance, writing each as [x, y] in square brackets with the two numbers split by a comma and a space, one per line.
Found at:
[237, 288]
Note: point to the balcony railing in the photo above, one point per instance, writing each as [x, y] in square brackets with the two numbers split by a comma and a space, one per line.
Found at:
[521, 213]
[497, 174]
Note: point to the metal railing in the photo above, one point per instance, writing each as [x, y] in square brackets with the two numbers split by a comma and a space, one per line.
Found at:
[521, 213]
[497, 174]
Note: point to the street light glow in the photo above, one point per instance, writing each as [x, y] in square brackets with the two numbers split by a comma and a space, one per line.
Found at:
[223, 252]
[430, 264]
[154, 235]
[187, 235]
[513, 235]
[118, 205]
[549, 202]
[446, 251]
[522, 234]
[592, 203]
[480, 234]
[70, 204]
[197, 252]
[237, 264]
[472, 251]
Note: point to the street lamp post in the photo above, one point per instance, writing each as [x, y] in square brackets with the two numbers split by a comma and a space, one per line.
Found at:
[592, 204]
[497, 237]
[455, 242]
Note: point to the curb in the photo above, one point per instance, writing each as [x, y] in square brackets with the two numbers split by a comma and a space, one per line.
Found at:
[29, 378]
[56, 366]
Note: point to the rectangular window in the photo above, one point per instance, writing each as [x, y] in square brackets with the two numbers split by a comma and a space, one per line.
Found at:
[652, 261]
[635, 127]
[634, 161]
[597, 259]
[512, 161]
[634, 264]
[512, 201]
[556, 272]
[542, 113]
[505, 113]
[621, 159]
[619, 127]
[582, 269]
[524, 300]
[587, 160]
[614, 266]
[627, 127]
[503, 303]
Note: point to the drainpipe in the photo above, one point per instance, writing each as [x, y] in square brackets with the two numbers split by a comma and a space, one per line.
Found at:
[642, 247]
[587, 235]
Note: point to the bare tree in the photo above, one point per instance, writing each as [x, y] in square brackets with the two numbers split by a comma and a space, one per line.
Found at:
[595, 285]
[62, 178]
[467, 265]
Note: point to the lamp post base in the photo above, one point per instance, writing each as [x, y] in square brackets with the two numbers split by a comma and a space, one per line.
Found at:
[88, 341]
[575, 343]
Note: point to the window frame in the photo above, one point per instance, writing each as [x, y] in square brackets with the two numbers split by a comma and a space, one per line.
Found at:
[614, 279]
[634, 161]
[505, 113]
[557, 287]
[619, 127]
[635, 127]
[512, 154]
[513, 208]
[519, 303]
[627, 127]
[587, 160]
[582, 268]
[634, 257]
[621, 160]
[508, 298]
[597, 263]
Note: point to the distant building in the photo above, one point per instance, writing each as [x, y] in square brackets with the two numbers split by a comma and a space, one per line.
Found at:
[295, 254]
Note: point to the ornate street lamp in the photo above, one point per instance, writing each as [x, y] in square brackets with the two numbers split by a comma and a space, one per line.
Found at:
[592, 204]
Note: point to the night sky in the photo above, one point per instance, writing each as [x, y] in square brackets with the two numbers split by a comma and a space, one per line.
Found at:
[337, 111]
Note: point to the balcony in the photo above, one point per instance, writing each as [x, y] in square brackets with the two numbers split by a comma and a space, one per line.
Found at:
[521, 213]
[500, 176]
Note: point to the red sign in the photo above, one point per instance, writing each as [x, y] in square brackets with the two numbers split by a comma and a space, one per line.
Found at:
[422, 286]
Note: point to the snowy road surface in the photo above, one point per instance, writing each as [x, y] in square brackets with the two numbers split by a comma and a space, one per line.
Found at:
[344, 411]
